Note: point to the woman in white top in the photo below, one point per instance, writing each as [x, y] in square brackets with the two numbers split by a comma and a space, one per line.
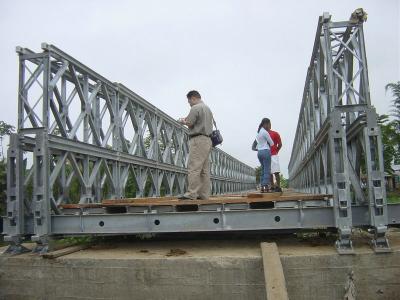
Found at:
[264, 142]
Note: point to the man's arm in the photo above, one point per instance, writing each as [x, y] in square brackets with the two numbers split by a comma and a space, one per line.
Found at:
[191, 119]
[184, 121]
[279, 143]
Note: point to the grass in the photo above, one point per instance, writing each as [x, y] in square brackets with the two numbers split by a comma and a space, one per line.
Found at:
[62, 243]
[393, 197]
[72, 241]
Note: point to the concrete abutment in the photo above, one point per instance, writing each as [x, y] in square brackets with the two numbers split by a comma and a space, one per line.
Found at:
[202, 270]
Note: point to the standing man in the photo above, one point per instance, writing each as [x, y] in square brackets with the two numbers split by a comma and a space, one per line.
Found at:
[275, 167]
[200, 124]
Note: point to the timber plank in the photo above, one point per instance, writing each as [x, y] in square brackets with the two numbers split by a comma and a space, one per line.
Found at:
[174, 201]
[275, 284]
[161, 199]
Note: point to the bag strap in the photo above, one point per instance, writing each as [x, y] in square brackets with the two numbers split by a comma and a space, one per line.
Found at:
[215, 124]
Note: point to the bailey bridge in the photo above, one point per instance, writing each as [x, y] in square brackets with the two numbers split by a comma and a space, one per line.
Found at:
[79, 132]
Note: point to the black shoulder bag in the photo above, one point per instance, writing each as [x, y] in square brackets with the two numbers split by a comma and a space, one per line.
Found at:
[216, 137]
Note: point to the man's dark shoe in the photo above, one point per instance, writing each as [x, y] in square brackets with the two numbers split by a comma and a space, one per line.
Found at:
[278, 189]
[183, 197]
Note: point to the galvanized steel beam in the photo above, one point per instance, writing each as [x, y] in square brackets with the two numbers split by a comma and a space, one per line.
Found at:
[337, 148]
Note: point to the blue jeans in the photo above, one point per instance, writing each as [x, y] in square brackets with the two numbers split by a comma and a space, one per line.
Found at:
[264, 156]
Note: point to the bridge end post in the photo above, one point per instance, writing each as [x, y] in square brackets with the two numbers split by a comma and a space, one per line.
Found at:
[15, 220]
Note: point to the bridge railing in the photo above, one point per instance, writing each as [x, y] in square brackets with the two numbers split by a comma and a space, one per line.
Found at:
[337, 148]
[79, 133]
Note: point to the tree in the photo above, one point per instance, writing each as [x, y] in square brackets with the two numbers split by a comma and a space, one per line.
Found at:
[390, 141]
[3, 186]
[284, 181]
[5, 129]
[395, 89]
[258, 173]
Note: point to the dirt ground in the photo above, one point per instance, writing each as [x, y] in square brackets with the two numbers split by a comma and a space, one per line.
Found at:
[223, 246]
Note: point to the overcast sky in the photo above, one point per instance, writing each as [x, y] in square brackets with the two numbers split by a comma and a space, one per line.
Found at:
[248, 59]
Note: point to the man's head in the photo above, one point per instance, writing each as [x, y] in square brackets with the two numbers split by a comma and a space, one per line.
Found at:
[193, 97]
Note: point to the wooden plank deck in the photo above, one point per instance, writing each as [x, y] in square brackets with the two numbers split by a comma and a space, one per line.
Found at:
[255, 197]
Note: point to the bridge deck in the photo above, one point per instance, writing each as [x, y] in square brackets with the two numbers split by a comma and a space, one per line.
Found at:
[249, 198]
[247, 212]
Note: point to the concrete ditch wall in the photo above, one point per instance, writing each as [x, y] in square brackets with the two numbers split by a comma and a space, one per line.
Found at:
[173, 278]
[141, 275]
[323, 277]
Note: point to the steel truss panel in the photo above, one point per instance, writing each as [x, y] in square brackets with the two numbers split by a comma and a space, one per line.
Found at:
[337, 148]
[77, 129]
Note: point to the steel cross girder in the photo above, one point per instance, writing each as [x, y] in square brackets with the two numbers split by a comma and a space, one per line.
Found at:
[337, 148]
[77, 129]
[287, 215]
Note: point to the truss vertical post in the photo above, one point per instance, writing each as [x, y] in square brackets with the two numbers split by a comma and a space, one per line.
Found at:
[15, 218]
[41, 191]
[117, 143]
[340, 183]
[376, 183]
[41, 165]
[64, 114]
[97, 121]
[22, 93]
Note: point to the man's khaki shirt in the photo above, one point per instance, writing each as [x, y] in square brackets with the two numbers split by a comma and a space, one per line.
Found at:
[201, 119]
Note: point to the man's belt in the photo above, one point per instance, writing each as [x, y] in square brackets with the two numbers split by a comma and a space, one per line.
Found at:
[198, 134]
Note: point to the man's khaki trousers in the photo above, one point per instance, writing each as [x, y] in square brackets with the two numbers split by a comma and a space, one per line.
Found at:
[199, 168]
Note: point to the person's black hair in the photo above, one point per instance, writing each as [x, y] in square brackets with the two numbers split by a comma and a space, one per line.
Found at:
[193, 93]
[263, 122]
